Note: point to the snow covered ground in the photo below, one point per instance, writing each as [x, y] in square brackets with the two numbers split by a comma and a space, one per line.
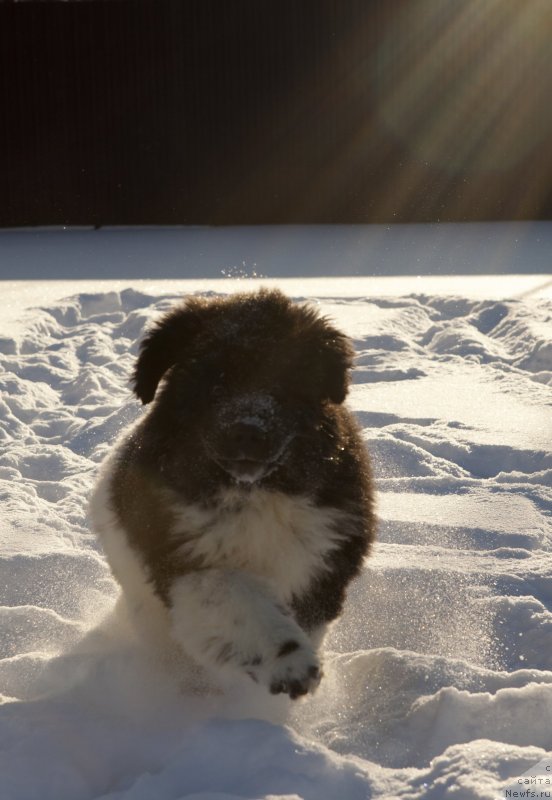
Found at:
[438, 677]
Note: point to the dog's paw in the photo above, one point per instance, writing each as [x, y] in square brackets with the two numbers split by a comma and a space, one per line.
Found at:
[295, 671]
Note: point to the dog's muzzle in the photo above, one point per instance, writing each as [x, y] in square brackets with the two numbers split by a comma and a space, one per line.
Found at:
[248, 454]
[251, 444]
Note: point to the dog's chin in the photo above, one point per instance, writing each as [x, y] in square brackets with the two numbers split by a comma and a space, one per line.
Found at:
[247, 471]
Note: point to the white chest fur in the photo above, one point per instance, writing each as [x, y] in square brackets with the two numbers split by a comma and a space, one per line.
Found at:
[283, 539]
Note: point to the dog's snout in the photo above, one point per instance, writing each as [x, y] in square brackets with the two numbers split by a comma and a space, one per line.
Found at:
[251, 437]
[246, 440]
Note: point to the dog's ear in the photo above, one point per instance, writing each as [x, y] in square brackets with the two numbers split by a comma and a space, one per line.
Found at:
[337, 355]
[162, 347]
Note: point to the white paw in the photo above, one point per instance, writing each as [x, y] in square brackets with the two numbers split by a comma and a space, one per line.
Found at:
[295, 670]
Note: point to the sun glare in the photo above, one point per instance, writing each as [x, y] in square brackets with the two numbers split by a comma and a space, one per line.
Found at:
[460, 85]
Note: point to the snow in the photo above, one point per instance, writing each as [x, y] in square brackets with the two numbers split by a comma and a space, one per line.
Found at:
[438, 677]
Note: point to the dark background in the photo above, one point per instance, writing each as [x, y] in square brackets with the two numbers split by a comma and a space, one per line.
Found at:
[274, 111]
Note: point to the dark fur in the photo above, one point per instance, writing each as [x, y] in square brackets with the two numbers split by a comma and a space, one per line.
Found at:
[195, 362]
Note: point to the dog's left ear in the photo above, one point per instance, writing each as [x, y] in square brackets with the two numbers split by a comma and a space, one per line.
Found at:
[337, 358]
[162, 347]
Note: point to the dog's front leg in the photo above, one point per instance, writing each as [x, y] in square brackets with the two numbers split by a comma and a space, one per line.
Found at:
[228, 618]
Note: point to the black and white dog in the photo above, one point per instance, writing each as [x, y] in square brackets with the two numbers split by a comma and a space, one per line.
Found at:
[238, 509]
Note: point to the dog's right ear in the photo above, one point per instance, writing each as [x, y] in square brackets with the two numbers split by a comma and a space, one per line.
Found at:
[162, 347]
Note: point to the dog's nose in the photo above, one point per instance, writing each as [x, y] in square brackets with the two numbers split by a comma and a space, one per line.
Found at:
[245, 440]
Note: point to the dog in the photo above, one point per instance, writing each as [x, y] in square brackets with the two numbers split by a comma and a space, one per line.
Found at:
[237, 510]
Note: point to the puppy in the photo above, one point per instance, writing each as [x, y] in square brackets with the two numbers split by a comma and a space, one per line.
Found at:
[238, 509]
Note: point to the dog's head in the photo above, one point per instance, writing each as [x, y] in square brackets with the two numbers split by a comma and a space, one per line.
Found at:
[250, 373]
